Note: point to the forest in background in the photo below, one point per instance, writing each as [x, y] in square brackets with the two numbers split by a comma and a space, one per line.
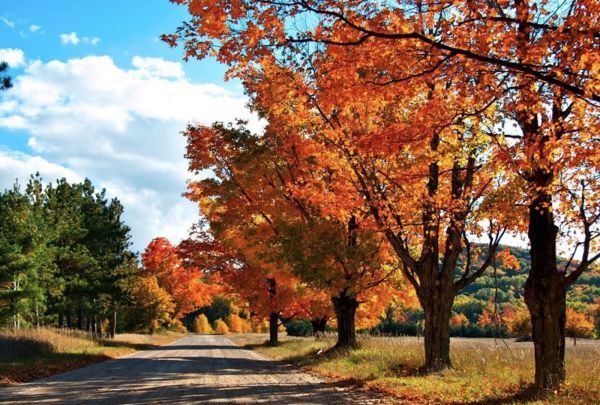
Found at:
[65, 262]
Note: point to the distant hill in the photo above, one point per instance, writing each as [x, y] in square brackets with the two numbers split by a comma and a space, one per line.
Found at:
[506, 286]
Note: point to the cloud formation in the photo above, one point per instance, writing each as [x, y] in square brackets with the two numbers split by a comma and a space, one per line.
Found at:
[14, 57]
[119, 127]
[73, 39]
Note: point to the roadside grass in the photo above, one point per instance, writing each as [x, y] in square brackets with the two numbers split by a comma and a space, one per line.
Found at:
[485, 371]
[26, 355]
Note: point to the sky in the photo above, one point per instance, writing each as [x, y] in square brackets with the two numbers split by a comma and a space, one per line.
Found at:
[96, 94]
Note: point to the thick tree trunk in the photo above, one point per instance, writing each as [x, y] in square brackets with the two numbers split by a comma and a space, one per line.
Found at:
[273, 326]
[345, 312]
[545, 296]
[61, 320]
[438, 310]
[319, 325]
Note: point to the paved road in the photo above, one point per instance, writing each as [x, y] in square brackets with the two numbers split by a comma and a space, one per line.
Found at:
[195, 369]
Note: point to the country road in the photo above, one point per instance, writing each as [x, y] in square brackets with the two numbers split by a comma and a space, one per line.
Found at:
[195, 369]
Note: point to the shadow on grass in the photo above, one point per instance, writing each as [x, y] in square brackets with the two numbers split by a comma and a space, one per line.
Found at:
[33, 368]
[524, 395]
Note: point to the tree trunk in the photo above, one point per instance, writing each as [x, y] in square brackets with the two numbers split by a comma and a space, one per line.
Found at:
[273, 326]
[113, 323]
[545, 296]
[345, 312]
[319, 325]
[61, 320]
[80, 316]
[438, 310]
[94, 324]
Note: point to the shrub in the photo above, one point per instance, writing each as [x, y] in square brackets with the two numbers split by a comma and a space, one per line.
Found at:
[299, 327]
[221, 327]
[201, 325]
[260, 326]
[177, 326]
[392, 327]
[236, 324]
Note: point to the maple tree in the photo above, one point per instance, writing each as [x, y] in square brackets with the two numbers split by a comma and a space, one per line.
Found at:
[184, 284]
[534, 63]
[256, 207]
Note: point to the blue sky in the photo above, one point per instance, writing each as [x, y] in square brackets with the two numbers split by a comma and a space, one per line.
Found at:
[98, 95]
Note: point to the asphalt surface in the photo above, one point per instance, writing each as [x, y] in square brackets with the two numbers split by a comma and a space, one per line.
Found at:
[196, 369]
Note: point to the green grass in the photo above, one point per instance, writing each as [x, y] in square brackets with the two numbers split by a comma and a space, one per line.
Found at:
[485, 371]
[29, 354]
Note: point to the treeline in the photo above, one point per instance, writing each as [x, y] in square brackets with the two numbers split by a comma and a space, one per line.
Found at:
[65, 262]
[62, 251]
[398, 136]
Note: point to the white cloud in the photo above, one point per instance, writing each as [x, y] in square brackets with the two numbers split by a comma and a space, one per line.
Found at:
[121, 128]
[19, 166]
[158, 67]
[9, 23]
[90, 40]
[73, 39]
[13, 122]
[35, 28]
[14, 57]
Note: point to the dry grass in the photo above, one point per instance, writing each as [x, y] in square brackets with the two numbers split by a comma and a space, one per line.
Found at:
[29, 354]
[485, 371]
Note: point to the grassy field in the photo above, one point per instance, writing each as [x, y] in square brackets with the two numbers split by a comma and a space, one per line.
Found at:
[485, 371]
[27, 355]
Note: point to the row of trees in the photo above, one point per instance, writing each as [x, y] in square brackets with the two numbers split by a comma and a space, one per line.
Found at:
[164, 289]
[65, 261]
[398, 134]
[62, 247]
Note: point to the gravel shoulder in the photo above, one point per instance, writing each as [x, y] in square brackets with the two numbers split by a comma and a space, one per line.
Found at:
[195, 369]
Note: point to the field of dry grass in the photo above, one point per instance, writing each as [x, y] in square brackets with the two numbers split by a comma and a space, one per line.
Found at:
[30, 354]
[485, 371]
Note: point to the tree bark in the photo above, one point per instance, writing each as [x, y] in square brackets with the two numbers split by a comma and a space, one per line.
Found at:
[273, 326]
[345, 312]
[113, 323]
[319, 325]
[437, 306]
[545, 296]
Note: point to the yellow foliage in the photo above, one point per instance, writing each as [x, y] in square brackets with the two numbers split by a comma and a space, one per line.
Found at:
[221, 327]
[236, 324]
[261, 326]
[579, 325]
[155, 302]
[177, 326]
[201, 325]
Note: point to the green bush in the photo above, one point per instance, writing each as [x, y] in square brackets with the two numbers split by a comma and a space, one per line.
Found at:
[299, 327]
